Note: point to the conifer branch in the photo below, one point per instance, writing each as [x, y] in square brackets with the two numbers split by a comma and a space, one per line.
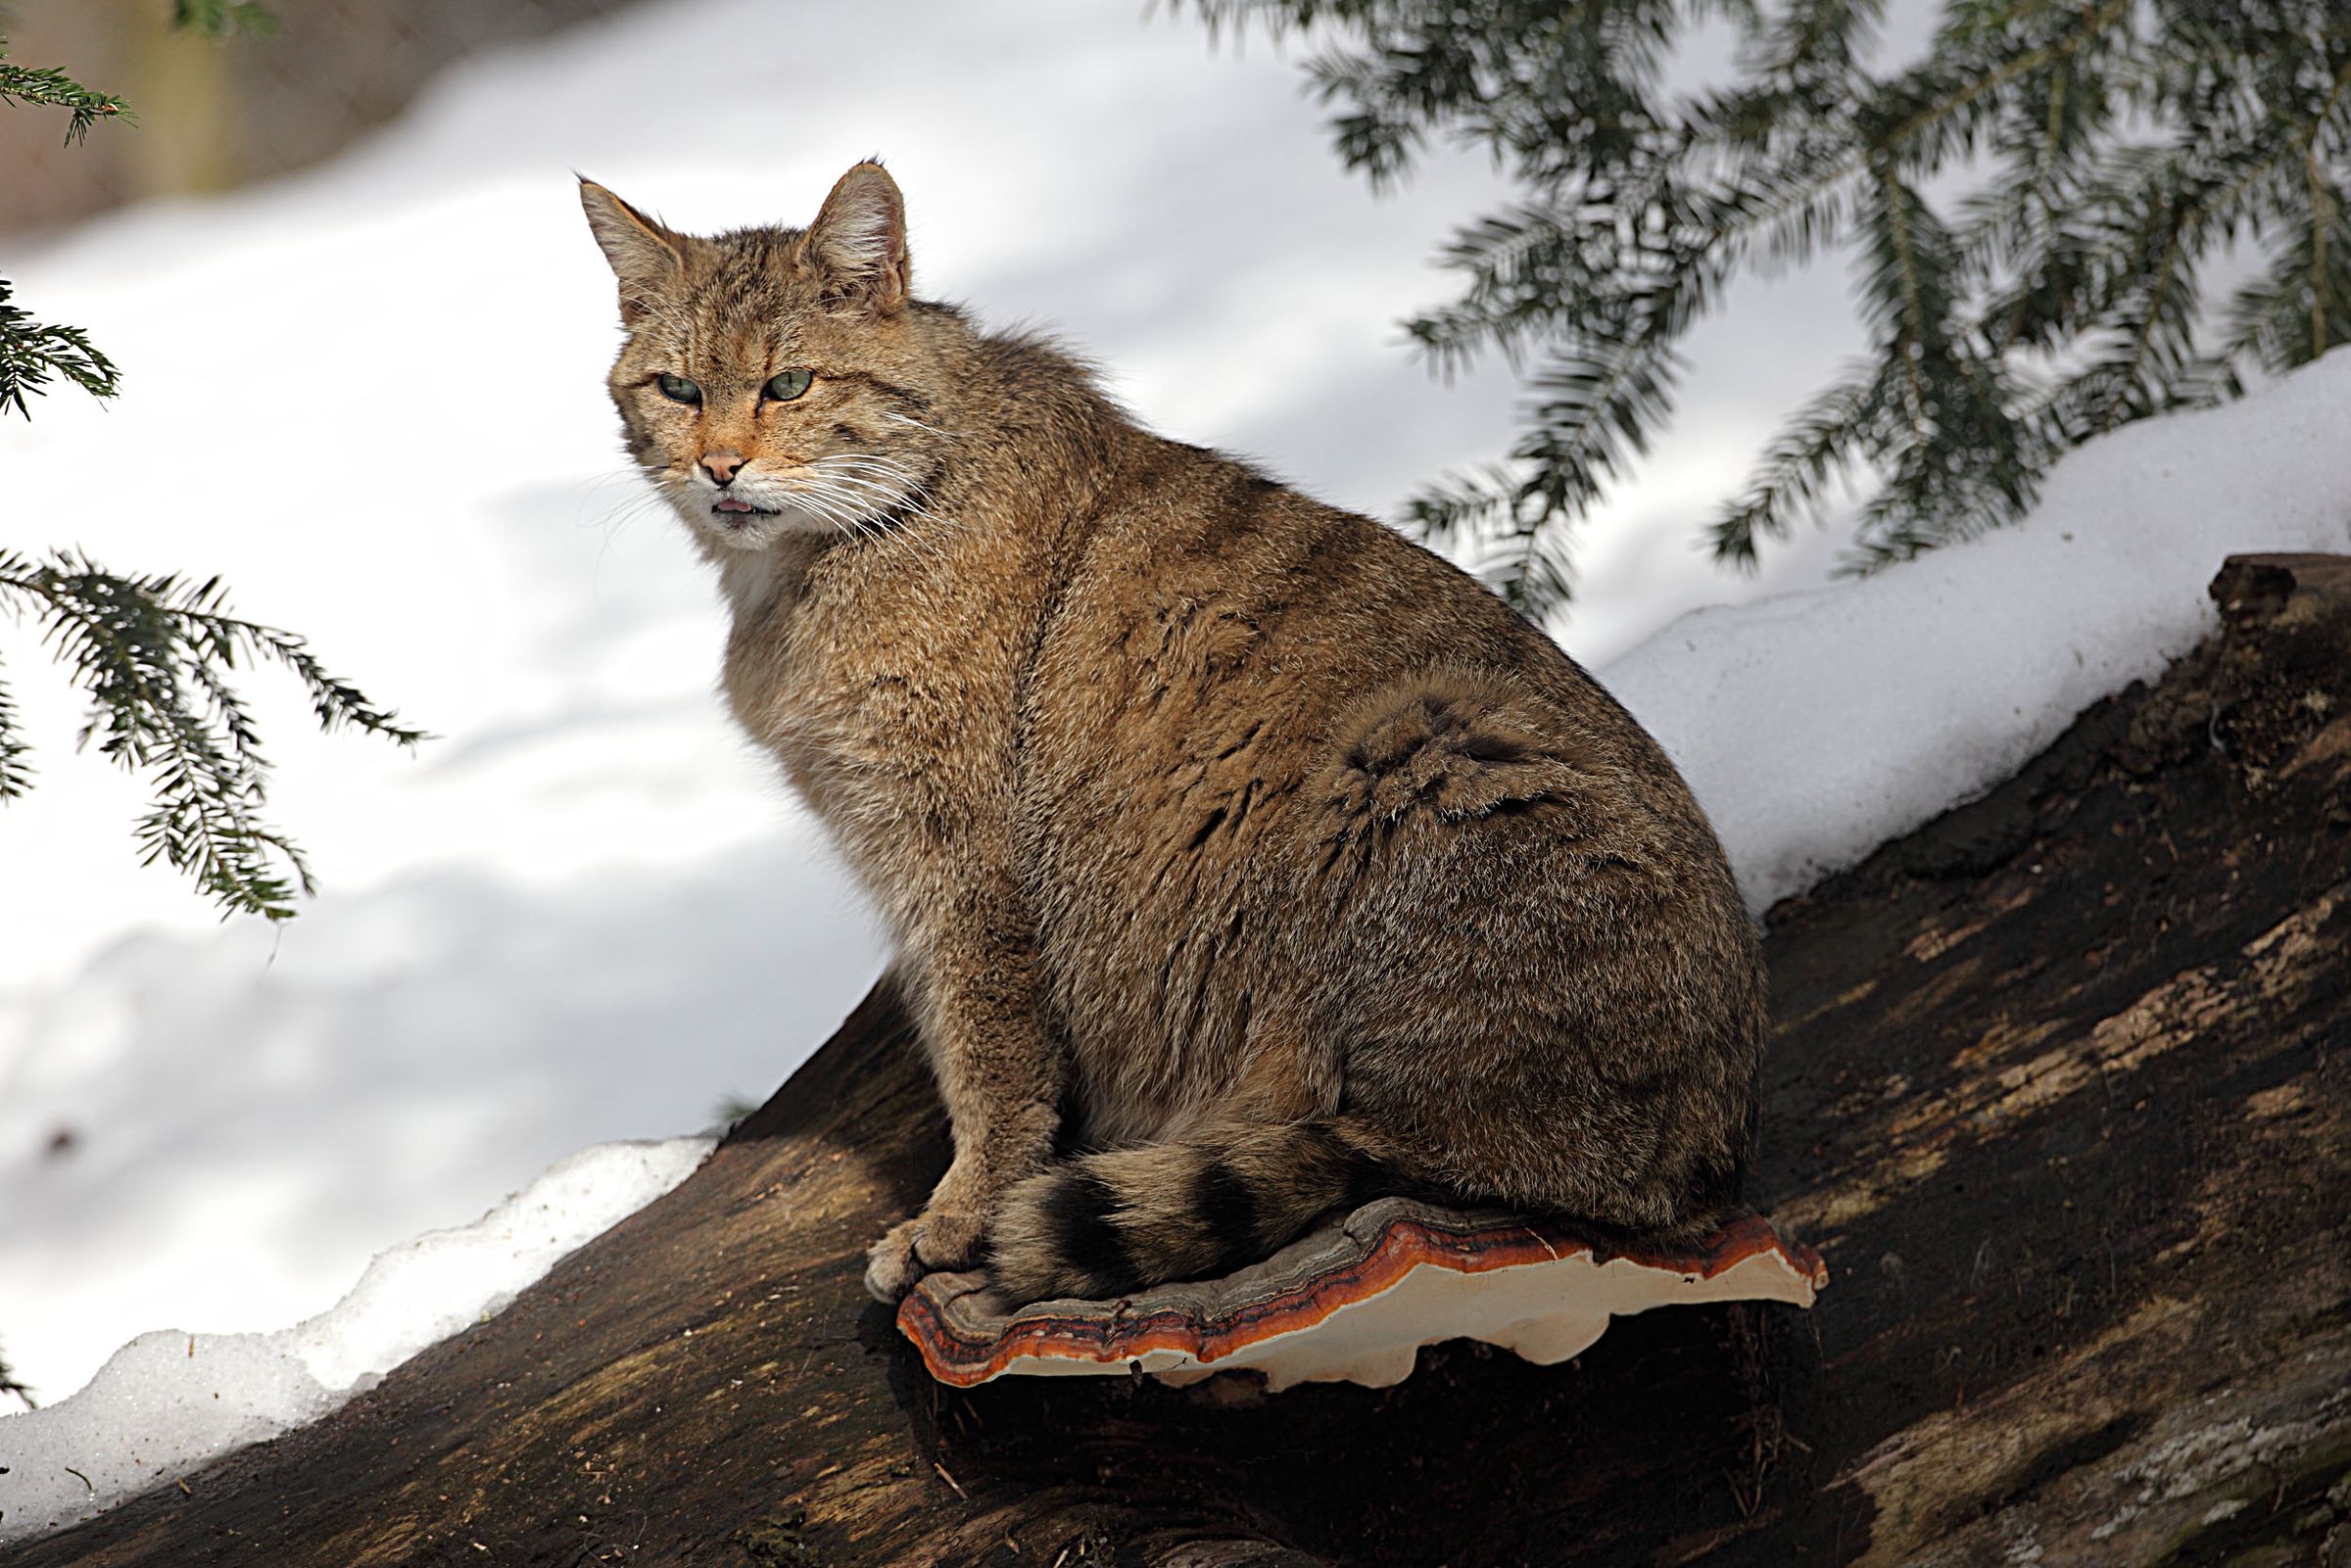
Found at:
[1800, 467]
[154, 654]
[30, 354]
[1909, 345]
[1974, 89]
[2057, 294]
[51, 88]
[2326, 210]
[16, 774]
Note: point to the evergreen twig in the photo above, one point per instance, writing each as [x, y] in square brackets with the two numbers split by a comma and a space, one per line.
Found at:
[154, 654]
[30, 354]
[48, 87]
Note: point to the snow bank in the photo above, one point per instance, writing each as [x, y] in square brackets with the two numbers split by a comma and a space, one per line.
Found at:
[169, 1401]
[1816, 726]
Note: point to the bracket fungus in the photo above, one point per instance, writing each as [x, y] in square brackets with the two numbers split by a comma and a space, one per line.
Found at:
[1355, 1299]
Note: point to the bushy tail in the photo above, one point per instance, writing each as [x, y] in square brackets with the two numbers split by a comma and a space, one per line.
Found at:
[1199, 1207]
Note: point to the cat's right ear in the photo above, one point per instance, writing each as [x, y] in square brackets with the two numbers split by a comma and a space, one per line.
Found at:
[858, 241]
[645, 256]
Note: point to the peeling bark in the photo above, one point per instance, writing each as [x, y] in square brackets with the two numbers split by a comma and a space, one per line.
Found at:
[2057, 1085]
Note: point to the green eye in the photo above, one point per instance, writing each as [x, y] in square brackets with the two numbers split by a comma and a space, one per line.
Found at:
[787, 384]
[680, 389]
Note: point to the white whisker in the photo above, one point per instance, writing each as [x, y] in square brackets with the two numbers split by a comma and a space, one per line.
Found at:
[866, 466]
[869, 499]
[919, 425]
[831, 510]
[852, 519]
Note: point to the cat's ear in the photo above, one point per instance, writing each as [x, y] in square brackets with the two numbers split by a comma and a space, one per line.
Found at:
[644, 256]
[858, 241]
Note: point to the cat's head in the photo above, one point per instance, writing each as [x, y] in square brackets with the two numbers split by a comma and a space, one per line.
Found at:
[776, 380]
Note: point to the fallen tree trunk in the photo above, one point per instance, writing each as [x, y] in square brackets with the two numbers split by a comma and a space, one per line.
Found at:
[2057, 1085]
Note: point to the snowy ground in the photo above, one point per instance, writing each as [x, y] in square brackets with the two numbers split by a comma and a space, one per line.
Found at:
[168, 1399]
[370, 397]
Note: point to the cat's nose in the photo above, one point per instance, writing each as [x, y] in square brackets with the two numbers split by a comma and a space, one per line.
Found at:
[722, 465]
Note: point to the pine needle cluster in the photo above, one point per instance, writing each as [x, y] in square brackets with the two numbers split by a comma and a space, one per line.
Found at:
[2034, 211]
[45, 86]
[155, 654]
[30, 354]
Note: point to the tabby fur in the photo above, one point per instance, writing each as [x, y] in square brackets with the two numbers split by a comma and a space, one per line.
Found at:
[1242, 858]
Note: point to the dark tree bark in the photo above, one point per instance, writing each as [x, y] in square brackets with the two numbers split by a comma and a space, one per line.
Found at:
[2057, 1086]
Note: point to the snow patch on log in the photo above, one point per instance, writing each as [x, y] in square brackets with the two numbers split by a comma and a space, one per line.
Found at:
[169, 1400]
[1816, 726]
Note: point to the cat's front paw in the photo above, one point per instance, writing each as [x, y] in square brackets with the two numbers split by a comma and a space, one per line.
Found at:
[890, 1266]
[933, 1240]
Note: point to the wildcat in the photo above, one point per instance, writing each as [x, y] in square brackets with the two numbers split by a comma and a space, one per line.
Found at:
[1242, 858]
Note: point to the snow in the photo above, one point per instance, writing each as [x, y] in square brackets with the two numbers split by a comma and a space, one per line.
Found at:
[169, 1401]
[1816, 726]
[371, 398]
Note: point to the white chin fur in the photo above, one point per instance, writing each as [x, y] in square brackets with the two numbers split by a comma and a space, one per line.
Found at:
[751, 530]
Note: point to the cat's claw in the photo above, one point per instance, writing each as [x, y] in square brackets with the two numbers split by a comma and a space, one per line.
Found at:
[933, 1240]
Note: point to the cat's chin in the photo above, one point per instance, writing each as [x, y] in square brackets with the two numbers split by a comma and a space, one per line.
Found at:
[753, 531]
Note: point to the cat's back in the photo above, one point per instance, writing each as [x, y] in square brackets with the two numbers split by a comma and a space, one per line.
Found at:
[1213, 615]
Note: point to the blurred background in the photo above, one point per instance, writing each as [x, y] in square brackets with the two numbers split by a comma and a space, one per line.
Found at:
[219, 118]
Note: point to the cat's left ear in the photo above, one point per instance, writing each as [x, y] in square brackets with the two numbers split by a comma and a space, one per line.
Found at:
[645, 256]
[858, 241]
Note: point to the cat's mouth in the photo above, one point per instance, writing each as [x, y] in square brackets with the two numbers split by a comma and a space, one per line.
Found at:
[731, 508]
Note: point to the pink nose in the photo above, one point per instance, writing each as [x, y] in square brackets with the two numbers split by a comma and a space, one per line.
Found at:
[722, 465]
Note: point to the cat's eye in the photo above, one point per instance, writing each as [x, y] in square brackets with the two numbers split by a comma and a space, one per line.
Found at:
[786, 385]
[680, 389]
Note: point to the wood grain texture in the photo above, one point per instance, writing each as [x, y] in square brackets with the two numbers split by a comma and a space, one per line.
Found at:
[2057, 1083]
